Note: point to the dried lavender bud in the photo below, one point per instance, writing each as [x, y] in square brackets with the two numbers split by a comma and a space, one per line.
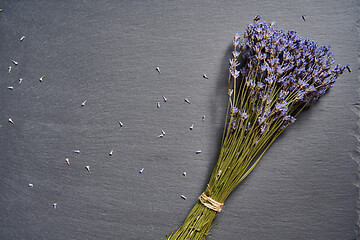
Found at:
[244, 116]
[257, 18]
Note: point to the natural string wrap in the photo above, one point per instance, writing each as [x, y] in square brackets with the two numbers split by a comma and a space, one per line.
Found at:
[210, 203]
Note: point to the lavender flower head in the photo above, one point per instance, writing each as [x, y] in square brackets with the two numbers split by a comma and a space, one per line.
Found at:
[280, 74]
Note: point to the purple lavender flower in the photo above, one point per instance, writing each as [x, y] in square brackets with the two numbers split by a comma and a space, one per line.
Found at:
[235, 54]
[283, 94]
[282, 71]
[281, 108]
[233, 64]
[235, 43]
[267, 113]
[234, 73]
[248, 127]
[234, 124]
[261, 120]
[290, 119]
[260, 85]
[234, 110]
[262, 129]
[269, 80]
[244, 116]
[287, 121]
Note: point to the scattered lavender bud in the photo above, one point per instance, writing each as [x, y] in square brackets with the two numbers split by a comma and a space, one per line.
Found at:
[10, 87]
[203, 118]
[14, 62]
[165, 99]
[22, 38]
[11, 121]
[160, 136]
[348, 68]
[141, 170]
[204, 76]
[304, 17]
[54, 205]
[158, 104]
[9, 69]
[191, 127]
[87, 168]
[183, 197]
[198, 152]
[41, 78]
[120, 123]
[83, 103]
[187, 101]
[76, 151]
[20, 80]
[158, 70]
[219, 173]
[30, 185]
[67, 161]
[111, 152]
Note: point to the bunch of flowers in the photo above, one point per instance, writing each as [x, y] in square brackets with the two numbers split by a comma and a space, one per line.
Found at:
[280, 74]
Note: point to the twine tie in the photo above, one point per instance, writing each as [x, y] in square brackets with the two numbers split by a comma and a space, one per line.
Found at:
[210, 203]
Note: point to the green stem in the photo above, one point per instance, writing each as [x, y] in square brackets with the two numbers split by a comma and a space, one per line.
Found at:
[196, 225]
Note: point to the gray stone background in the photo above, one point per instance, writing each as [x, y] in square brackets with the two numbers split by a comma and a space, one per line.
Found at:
[107, 52]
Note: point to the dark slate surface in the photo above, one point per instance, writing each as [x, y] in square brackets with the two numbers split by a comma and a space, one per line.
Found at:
[107, 52]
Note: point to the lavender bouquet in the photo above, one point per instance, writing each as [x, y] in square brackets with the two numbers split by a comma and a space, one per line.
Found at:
[281, 73]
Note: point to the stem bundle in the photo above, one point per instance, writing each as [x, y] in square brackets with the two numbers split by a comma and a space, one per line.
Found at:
[282, 74]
